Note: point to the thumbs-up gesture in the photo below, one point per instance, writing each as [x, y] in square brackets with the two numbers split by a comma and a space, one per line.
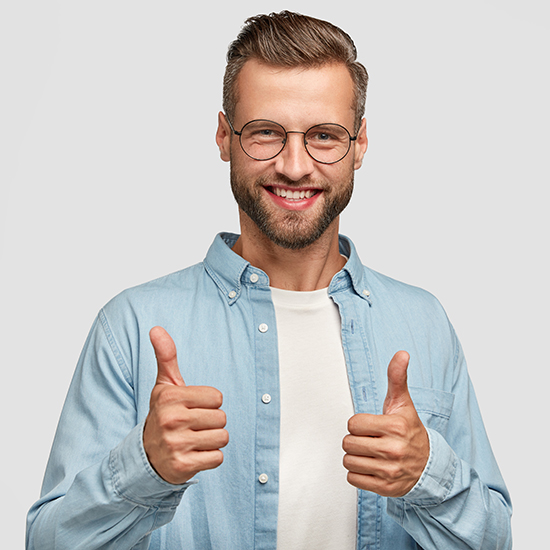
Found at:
[387, 453]
[184, 429]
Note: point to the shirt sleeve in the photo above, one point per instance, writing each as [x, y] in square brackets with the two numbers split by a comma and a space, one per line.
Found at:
[460, 501]
[99, 489]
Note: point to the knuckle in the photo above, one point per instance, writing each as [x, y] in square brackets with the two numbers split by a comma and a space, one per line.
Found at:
[347, 443]
[181, 465]
[217, 458]
[222, 420]
[393, 472]
[208, 394]
[357, 481]
[163, 395]
[396, 452]
[353, 424]
[156, 395]
[165, 423]
[170, 422]
[217, 397]
[400, 427]
[171, 445]
[224, 437]
[400, 454]
[346, 461]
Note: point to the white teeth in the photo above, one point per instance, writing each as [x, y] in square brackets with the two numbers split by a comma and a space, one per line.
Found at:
[293, 195]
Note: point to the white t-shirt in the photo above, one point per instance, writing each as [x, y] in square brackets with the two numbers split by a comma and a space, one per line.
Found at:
[317, 506]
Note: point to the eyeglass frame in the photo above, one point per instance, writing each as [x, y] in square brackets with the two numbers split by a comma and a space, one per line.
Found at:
[237, 133]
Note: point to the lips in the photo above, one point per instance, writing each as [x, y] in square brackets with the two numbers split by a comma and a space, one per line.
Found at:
[293, 199]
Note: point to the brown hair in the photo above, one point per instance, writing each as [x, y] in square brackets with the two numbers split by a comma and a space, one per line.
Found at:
[288, 39]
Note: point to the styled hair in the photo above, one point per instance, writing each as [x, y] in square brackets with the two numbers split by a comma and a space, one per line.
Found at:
[288, 39]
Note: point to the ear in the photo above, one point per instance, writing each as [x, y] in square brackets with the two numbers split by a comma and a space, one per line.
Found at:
[361, 144]
[223, 137]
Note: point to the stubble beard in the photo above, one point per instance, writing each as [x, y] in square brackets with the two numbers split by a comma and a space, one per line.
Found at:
[293, 230]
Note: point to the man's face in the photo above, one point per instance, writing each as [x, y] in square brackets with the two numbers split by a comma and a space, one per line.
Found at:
[292, 198]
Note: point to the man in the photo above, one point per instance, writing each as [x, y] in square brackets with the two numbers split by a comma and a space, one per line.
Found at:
[307, 351]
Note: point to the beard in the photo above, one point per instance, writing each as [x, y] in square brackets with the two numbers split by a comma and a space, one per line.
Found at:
[290, 229]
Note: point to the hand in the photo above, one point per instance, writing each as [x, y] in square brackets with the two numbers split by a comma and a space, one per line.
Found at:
[184, 429]
[387, 453]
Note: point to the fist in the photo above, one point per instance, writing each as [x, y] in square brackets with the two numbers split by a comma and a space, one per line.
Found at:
[387, 453]
[184, 430]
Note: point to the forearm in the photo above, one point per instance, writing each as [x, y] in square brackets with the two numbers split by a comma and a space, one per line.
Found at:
[115, 503]
[451, 507]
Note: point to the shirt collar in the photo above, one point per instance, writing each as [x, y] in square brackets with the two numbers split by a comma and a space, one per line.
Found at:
[230, 272]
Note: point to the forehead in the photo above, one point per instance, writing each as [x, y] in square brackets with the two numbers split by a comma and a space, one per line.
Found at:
[295, 96]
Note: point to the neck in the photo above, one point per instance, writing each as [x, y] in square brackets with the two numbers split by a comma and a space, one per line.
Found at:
[306, 269]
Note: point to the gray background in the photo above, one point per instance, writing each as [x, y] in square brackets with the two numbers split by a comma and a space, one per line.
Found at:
[110, 177]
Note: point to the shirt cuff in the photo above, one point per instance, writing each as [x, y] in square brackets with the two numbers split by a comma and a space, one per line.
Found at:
[134, 478]
[436, 480]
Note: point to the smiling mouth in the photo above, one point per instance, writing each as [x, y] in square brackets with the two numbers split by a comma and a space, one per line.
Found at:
[296, 195]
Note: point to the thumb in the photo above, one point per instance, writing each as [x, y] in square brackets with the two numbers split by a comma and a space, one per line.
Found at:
[398, 390]
[167, 358]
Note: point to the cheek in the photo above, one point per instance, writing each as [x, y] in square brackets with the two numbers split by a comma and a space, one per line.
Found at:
[249, 169]
[340, 176]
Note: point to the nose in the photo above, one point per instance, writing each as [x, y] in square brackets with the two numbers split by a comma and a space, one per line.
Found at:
[294, 161]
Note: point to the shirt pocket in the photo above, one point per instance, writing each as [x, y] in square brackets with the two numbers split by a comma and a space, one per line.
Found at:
[434, 407]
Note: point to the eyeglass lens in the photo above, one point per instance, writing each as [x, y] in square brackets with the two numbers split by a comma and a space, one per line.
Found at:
[326, 143]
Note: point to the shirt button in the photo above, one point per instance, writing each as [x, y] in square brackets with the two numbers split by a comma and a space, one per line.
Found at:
[254, 278]
[266, 398]
[263, 478]
[232, 294]
[366, 293]
[263, 327]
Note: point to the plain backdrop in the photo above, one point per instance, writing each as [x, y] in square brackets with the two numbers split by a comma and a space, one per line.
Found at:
[110, 177]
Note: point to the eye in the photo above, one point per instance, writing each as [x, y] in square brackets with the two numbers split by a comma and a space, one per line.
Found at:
[267, 135]
[323, 136]
[327, 135]
[267, 132]
[263, 131]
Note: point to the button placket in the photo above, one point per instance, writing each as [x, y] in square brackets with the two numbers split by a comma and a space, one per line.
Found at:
[268, 412]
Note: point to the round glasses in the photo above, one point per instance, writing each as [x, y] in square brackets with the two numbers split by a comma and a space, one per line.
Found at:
[264, 139]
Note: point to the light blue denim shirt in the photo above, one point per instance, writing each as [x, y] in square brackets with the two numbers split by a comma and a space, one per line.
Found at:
[100, 491]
